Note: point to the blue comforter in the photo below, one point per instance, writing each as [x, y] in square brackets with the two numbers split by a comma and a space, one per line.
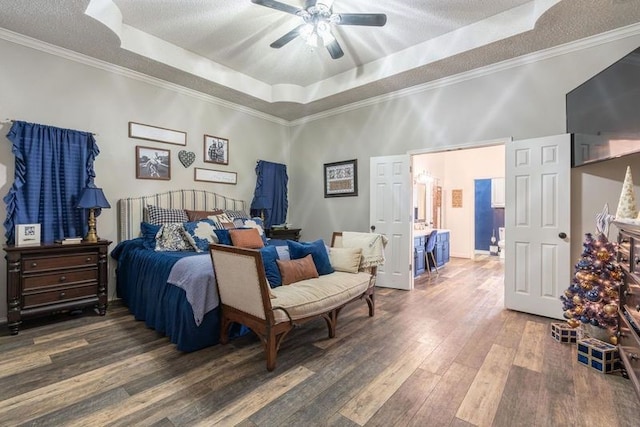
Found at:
[142, 284]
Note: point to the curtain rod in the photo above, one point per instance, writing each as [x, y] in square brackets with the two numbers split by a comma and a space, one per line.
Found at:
[13, 121]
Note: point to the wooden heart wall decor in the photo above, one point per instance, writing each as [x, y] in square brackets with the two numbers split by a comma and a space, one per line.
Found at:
[186, 157]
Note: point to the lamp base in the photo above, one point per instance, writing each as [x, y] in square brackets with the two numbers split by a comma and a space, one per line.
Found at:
[92, 236]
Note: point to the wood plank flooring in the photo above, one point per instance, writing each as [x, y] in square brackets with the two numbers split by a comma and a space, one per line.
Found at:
[445, 354]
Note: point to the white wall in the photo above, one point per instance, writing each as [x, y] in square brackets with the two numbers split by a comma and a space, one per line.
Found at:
[41, 88]
[522, 102]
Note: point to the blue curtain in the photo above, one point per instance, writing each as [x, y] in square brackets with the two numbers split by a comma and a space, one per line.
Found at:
[53, 165]
[270, 196]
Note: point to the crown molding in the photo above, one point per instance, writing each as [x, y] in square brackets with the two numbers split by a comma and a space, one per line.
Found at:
[70, 55]
[588, 42]
[575, 46]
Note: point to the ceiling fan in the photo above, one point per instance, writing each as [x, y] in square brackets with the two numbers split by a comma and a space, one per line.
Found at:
[318, 19]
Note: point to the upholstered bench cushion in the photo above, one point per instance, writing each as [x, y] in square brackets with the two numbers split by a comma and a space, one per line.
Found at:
[311, 297]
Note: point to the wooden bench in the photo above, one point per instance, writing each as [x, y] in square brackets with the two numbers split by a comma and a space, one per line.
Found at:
[247, 298]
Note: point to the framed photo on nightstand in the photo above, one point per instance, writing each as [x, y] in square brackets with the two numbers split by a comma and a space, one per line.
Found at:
[27, 235]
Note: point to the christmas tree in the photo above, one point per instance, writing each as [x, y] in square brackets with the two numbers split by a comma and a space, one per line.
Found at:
[592, 297]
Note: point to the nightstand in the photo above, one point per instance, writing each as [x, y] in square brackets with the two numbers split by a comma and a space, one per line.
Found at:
[284, 234]
[49, 278]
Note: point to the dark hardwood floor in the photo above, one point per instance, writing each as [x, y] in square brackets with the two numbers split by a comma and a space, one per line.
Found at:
[445, 354]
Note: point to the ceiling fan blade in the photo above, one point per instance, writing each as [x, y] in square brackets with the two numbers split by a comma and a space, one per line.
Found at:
[310, 3]
[335, 50]
[278, 6]
[287, 37]
[367, 19]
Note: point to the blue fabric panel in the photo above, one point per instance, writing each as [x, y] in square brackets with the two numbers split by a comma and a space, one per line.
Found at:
[269, 257]
[318, 252]
[52, 166]
[270, 195]
[142, 284]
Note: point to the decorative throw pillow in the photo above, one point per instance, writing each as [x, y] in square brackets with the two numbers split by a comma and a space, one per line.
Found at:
[170, 237]
[224, 238]
[157, 215]
[198, 215]
[148, 233]
[255, 222]
[236, 214]
[295, 270]
[283, 252]
[345, 259]
[269, 257]
[318, 252]
[202, 232]
[246, 238]
[222, 221]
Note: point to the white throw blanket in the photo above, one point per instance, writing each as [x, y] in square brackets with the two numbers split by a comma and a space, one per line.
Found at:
[372, 245]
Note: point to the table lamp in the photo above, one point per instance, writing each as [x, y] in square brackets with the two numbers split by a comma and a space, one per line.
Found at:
[92, 198]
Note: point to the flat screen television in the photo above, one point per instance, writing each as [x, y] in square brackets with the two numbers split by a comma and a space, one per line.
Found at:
[603, 113]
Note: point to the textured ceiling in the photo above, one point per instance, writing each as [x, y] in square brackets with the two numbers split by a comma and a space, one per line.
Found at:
[221, 47]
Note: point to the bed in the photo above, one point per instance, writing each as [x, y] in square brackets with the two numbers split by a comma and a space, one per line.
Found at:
[172, 292]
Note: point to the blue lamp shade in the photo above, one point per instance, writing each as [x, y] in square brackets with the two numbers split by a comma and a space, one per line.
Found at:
[92, 198]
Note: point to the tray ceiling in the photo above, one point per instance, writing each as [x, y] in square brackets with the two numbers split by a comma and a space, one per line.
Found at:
[221, 47]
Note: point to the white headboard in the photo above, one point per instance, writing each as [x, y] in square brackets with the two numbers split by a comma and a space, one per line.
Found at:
[131, 210]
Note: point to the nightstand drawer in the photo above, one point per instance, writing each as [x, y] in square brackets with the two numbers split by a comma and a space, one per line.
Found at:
[60, 278]
[36, 264]
[59, 295]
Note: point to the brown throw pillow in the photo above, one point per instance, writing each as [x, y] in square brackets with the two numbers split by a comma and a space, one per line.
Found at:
[198, 215]
[246, 238]
[295, 270]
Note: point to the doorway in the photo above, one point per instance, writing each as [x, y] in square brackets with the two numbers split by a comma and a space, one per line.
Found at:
[456, 172]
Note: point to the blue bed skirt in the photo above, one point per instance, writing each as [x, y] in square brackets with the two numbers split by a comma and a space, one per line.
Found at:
[142, 284]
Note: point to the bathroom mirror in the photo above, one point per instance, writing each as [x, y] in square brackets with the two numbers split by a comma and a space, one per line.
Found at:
[423, 200]
[420, 207]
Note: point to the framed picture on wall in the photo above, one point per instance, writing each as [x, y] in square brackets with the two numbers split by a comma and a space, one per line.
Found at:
[210, 175]
[153, 163]
[155, 133]
[216, 150]
[341, 179]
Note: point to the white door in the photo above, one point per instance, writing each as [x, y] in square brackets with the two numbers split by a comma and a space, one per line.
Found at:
[390, 214]
[537, 220]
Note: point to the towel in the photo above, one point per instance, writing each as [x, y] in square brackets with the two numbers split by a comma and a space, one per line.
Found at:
[372, 245]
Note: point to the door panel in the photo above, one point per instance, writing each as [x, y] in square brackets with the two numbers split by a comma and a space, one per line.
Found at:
[390, 213]
[537, 264]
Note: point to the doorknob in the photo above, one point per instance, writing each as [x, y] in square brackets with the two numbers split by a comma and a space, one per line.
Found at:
[562, 235]
[373, 228]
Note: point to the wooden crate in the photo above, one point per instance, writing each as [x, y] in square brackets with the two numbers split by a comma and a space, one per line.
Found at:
[599, 355]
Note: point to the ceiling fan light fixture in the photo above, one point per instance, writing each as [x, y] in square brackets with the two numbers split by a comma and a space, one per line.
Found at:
[317, 34]
[318, 19]
[313, 40]
[306, 31]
